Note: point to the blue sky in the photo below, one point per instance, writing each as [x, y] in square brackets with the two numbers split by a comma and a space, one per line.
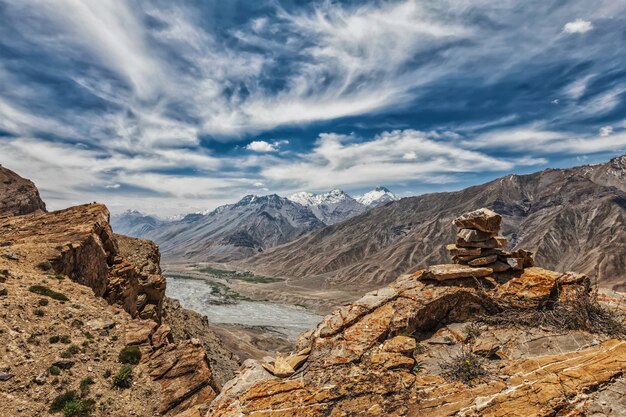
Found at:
[171, 107]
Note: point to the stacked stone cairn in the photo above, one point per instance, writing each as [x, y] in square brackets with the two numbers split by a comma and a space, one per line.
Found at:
[478, 249]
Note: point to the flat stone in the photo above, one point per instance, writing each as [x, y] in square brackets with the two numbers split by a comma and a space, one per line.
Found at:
[499, 266]
[458, 251]
[4, 376]
[482, 219]
[473, 235]
[11, 256]
[516, 264]
[486, 244]
[100, 324]
[6, 243]
[63, 363]
[454, 271]
[484, 260]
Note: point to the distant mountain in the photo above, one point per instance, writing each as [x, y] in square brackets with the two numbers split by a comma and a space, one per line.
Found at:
[135, 223]
[332, 207]
[575, 219]
[379, 195]
[232, 231]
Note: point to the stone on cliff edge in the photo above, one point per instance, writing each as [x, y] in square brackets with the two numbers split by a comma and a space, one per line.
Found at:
[482, 219]
[18, 196]
[453, 271]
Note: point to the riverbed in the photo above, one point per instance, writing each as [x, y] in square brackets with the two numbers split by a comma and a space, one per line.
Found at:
[213, 297]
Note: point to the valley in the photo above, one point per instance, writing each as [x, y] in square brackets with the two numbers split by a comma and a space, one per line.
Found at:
[240, 307]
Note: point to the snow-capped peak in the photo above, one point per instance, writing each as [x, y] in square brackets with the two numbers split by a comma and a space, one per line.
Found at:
[377, 196]
[309, 199]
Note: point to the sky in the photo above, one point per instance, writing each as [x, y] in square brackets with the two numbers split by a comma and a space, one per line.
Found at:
[173, 107]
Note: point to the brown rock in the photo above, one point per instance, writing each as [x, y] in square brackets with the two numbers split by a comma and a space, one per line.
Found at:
[486, 244]
[18, 196]
[482, 219]
[162, 336]
[499, 266]
[516, 264]
[454, 271]
[485, 260]
[183, 373]
[473, 235]
[138, 332]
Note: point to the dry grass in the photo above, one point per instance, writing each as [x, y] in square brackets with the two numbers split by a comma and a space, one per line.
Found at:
[583, 312]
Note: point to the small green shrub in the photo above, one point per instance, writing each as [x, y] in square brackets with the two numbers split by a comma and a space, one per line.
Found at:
[55, 370]
[54, 339]
[65, 339]
[59, 402]
[107, 373]
[123, 377]
[42, 302]
[39, 312]
[84, 385]
[44, 266]
[130, 355]
[71, 350]
[43, 290]
[79, 408]
[89, 336]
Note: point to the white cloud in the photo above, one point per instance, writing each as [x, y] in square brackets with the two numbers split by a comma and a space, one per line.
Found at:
[535, 140]
[578, 26]
[340, 159]
[262, 146]
[606, 131]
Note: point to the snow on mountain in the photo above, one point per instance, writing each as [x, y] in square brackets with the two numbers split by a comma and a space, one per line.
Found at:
[332, 207]
[377, 196]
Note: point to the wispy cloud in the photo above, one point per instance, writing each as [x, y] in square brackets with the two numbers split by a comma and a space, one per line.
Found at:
[110, 99]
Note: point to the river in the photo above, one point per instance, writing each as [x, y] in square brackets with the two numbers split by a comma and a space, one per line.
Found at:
[213, 298]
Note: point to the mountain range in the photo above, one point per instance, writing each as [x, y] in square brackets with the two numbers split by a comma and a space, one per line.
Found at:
[252, 225]
[572, 218]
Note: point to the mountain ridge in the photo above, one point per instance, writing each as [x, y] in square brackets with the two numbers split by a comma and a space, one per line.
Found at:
[539, 209]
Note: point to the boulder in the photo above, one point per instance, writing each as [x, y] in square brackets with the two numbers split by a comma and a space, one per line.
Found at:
[473, 235]
[482, 219]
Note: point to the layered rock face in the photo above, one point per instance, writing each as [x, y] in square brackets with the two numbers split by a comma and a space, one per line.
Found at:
[78, 242]
[43, 311]
[521, 341]
[18, 195]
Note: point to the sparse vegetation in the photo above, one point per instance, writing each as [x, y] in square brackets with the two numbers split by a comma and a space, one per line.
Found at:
[465, 367]
[65, 339]
[79, 408]
[418, 367]
[84, 385]
[59, 402]
[238, 275]
[130, 355]
[43, 290]
[89, 336]
[107, 373]
[71, 350]
[42, 302]
[123, 378]
[582, 312]
[54, 339]
[55, 370]
[39, 312]
[472, 332]
[44, 266]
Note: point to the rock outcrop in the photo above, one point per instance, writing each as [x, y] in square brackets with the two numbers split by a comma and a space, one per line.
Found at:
[523, 341]
[18, 195]
[73, 296]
